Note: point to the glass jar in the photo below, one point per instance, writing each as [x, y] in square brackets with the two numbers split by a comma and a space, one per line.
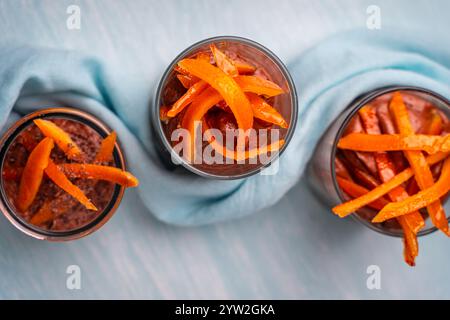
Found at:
[251, 52]
[321, 169]
[79, 118]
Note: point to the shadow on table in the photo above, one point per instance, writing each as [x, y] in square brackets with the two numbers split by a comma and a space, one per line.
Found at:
[265, 255]
[300, 206]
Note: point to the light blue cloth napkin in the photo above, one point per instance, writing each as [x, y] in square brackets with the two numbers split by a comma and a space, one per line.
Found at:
[328, 77]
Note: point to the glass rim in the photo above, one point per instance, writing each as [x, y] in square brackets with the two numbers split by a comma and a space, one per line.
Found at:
[357, 104]
[293, 94]
[87, 119]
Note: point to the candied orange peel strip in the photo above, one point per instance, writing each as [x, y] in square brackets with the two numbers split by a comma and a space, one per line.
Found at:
[99, 172]
[420, 199]
[395, 142]
[240, 154]
[43, 215]
[258, 85]
[61, 180]
[193, 116]
[61, 138]
[227, 88]
[243, 67]
[435, 124]
[410, 243]
[204, 56]
[247, 154]
[33, 172]
[163, 113]
[355, 190]
[187, 98]
[411, 223]
[250, 84]
[417, 161]
[105, 153]
[186, 80]
[264, 111]
[351, 206]
[223, 62]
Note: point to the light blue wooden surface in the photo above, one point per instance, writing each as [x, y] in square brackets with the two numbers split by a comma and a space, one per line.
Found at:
[296, 249]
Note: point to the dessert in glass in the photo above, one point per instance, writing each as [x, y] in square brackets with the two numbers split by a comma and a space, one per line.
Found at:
[225, 108]
[63, 174]
[385, 161]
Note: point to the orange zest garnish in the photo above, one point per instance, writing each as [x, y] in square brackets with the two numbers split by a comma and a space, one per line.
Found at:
[43, 215]
[395, 142]
[239, 155]
[223, 62]
[411, 244]
[105, 154]
[186, 80]
[264, 111]
[244, 68]
[98, 172]
[247, 154]
[204, 56]
[435, 124]
[61, 138]
[194, 115]
[33, 172]
[187, 98]
[259, 86]
[60, 179]
[227, 88]
[163, 113]
[355, 190]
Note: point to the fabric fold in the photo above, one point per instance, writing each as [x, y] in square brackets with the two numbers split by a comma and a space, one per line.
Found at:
[328, 77]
